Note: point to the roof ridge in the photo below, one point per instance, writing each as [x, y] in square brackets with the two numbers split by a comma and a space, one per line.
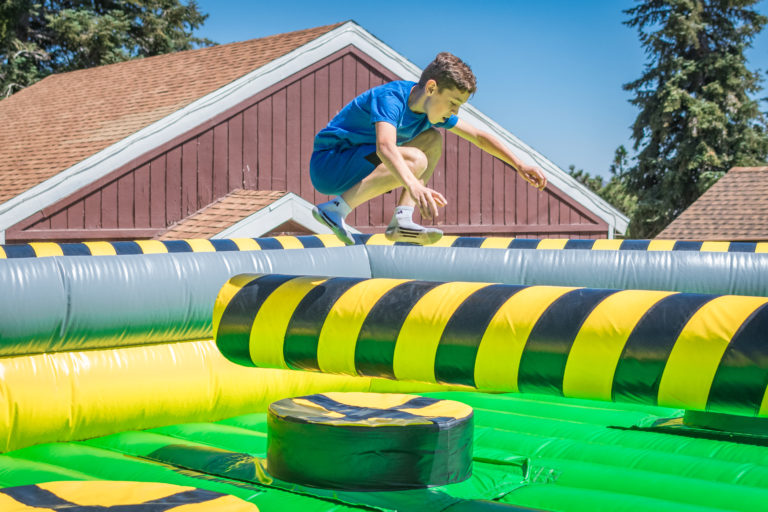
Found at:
[154, 58]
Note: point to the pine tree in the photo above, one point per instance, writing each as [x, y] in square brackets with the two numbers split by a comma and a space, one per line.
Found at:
[697, 117]
[38, 38]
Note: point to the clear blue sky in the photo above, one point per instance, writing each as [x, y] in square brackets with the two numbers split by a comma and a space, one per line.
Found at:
[549, 71]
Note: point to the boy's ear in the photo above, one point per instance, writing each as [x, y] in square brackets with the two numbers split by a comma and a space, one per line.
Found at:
[431, 86]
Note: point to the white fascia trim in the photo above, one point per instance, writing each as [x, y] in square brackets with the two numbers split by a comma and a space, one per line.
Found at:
[288, 207]
[102, 163]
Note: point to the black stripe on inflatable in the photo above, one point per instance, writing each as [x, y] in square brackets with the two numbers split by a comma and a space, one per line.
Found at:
[682, 245]
[310, 242]
[34, 496]
[300, 347]
[179, 499]
[468, 241]
[37, 497]
[742, 247]
[542, 364]
[741, 378]
[634, 245]
[579, 244]
[361, 238]
[19, 251]
[645, 354]
[75, 249]
[223, 245]
[269, 243]
[523, 243]
[127, 247]
[177, 245]
[375, 348]
[457, 351]
[355, 413]
[234, 331]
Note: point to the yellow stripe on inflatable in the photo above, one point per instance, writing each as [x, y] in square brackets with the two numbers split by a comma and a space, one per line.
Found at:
[43, 249]
[2, 254]
[200, 245]
[338, 336]
[225, 295]
[607, 245]
[597, 347]
[764, 405]
[441, 409]
[152, 246]
[661, 245]
[694, 359]
[271, 322]
[715, 246]
[101, 248]
[552, 243]
[379, 401]
[500, 350]
[379, 239]
[445, 241]
[110, 494]
[761, 247]
[496, 242]
[330, 240]
[416, 345]
[246, 244]
[289, 242]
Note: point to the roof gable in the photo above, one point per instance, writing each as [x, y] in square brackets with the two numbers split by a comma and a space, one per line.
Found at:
[66, 118]
[331, 39]
[735, 208]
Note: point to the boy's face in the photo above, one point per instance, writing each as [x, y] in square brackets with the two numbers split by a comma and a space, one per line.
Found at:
[441, 104]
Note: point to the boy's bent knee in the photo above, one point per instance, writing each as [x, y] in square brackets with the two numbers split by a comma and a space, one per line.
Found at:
[416, 159]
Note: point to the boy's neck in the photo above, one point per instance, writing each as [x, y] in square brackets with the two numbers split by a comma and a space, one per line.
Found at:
[416, 99]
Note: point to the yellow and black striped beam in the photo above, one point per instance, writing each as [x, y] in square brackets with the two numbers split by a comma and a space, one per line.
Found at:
[42, 249]
[699, 352]
[584, 244]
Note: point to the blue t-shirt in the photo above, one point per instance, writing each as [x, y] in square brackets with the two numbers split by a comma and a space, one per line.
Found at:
[355, 125]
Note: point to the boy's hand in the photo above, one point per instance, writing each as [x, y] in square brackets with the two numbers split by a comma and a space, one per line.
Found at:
[533, 175]
[426, 199]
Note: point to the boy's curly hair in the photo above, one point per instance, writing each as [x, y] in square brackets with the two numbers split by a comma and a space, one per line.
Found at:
[449, 71]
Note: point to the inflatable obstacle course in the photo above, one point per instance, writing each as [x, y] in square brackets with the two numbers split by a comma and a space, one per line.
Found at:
[109, 372]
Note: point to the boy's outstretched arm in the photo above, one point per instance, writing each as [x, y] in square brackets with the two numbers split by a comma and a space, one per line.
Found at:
[495, 147]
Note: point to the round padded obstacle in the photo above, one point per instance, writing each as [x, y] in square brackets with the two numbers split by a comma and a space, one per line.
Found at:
[369, 441]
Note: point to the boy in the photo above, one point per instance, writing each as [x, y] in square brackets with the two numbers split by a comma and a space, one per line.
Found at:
[386, 138]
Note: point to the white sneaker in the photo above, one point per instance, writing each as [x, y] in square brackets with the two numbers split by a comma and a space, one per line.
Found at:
[334, 221]
[413, 233]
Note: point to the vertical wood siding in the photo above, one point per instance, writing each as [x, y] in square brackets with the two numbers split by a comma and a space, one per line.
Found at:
[266, 144]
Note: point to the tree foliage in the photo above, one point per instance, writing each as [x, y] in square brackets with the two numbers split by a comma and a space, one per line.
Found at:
[38, 38]
[697, 117]
[614, 190]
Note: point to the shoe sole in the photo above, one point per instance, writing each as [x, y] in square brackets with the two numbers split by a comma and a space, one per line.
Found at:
[413, 236]
[339, 232]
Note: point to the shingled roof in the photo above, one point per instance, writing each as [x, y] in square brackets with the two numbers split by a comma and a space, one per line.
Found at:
[735, 208]
[97, 110]
[221, 214]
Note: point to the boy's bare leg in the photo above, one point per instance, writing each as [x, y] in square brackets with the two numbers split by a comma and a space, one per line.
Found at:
[421, 155]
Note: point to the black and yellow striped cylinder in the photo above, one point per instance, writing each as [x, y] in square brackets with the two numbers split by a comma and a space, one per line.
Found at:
[694, 351]
[369, 441]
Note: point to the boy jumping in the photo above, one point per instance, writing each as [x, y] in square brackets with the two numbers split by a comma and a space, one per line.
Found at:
[386, 138]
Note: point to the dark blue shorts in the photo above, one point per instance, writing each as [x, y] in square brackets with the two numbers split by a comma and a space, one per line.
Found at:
[334, 171]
